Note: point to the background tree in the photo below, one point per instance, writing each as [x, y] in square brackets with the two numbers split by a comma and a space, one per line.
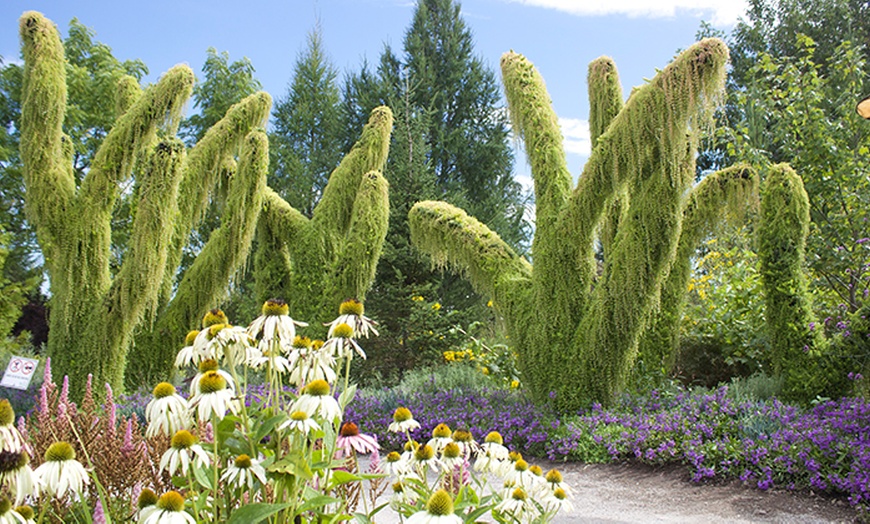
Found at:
[306, 138]
[468, 131]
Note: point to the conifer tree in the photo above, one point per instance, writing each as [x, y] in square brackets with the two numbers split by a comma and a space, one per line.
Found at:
[94, 314]
[468, 132]
[306, 141]
[576, 332]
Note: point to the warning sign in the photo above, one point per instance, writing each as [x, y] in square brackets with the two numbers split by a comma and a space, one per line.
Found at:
[19, 372]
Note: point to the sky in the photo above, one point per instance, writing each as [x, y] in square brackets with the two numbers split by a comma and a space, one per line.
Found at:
[560, 37]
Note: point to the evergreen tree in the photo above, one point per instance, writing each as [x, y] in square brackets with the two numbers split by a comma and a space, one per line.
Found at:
[468, 132]
[306, 142]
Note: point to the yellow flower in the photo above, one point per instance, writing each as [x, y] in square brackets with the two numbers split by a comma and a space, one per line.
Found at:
[417, 298]
[515, 384]
[449, 356]
[485, 370]
[436, 306]
[489, 303]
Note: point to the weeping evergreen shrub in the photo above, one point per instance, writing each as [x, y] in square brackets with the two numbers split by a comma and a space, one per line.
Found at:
[577, 326]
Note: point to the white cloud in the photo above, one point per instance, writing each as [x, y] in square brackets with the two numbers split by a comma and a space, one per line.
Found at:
[575, 131]
[722, 12]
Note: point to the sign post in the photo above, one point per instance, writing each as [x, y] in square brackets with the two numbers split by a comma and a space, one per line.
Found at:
[19, 372]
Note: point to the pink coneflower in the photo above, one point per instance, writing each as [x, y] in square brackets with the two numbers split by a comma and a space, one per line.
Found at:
[350, 441]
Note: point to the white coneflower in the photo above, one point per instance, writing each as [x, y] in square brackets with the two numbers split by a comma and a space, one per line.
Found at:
[350, 312]
[555, 481]
[8, 515]
[265, 359]
[214, 397]
[167, 412]
[146, 504]
[234, 344]
[440, 437]
[452, 457]
[522, 477]
[16, 475]
[424, 458]
[403, 421]
[189, 354]
[492, 453]
[168, 510]
[396, 464]
[205, 366]
[402, 495]
[274, 326]
[558, 501]
[439, 510]
[315, 399]
[301, 422]
[466, 442]
[341, 343]
[351, 441]
[10, 437]
[61, 472]
[516, 505]
[242, 472]
[27, 514]
[310, 362]
[183, 451]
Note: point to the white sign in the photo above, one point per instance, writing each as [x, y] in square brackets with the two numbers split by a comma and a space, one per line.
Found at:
[19, 372]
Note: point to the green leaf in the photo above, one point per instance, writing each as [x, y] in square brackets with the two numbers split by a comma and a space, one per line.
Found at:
[340, 477]
[347, 396]
[254, 513]
[202, 476]
[292, 464]
[316, 502]
[267, 426]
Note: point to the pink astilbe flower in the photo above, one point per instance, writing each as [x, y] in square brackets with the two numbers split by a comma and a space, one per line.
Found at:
[64, 392]
[99, 514]
[127, 446]
[111, 411]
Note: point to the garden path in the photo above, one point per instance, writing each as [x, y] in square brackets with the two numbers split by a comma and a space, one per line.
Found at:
[632, 493]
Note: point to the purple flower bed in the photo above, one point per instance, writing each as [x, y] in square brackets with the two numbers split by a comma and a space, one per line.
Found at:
[826, 448]
[524, 426]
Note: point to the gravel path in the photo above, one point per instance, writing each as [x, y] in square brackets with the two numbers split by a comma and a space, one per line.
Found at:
[629, 493]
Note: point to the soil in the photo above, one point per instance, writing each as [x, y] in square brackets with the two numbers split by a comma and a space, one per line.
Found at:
[629, 493]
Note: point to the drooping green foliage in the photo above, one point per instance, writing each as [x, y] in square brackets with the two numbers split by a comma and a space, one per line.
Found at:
[576, 331]
[93, 315]
[795, 344]
[721, 196]
[316, 263]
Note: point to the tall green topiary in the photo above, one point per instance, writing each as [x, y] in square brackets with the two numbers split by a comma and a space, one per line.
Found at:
[782, 239]
[93, 314]
[316, 263]
[576, 326]
[721, 196]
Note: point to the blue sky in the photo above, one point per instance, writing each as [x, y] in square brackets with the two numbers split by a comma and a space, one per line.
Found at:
[559, 36]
